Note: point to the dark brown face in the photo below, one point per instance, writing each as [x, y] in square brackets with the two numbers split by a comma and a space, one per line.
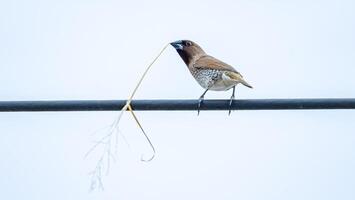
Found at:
[187, 50]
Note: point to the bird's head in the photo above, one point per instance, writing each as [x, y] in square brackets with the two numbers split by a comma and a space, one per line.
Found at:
[188, 50]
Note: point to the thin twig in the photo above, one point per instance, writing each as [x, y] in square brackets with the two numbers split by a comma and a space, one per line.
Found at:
[96, 174]
[145, 135]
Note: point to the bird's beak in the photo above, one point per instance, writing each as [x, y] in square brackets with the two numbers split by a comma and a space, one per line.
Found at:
[177, 45]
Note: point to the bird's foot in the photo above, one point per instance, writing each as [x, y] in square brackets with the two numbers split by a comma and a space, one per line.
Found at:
[230, 104]
[200, 100]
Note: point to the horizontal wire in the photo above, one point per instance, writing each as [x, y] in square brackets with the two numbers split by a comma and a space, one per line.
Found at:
[177, 105]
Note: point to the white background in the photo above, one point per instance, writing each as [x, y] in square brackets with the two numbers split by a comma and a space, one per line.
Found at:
[66, 50]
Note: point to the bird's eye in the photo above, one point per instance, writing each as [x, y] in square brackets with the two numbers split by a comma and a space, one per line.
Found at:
[188, 43]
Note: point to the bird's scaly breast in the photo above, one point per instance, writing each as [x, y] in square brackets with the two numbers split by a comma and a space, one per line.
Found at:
[206, 78]
[212, 79]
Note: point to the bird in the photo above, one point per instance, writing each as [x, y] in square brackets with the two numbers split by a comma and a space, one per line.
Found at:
[209, 72]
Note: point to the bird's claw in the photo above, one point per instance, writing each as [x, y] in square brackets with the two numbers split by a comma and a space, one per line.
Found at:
[199, 105]
[200, 100]
[230, 105]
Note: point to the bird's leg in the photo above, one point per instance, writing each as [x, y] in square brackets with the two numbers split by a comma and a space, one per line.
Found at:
[231, 101]
[200, 100]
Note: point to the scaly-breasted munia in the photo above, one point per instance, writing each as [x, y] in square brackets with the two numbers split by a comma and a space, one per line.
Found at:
[209, 72]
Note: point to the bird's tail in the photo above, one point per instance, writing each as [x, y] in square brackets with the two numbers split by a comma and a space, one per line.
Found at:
[239, 78]
[246, 83]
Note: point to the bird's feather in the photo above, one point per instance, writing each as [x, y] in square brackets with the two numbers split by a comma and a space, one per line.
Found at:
[237, 77]
[209, 62]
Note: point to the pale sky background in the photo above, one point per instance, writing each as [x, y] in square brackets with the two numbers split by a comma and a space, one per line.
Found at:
[68, 50]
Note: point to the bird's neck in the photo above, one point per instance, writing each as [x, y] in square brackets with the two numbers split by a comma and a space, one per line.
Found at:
[189, 58]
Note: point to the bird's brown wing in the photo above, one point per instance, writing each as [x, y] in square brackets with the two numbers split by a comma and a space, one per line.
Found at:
[209, 62]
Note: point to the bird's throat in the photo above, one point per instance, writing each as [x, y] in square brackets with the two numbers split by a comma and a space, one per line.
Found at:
[185, 56]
